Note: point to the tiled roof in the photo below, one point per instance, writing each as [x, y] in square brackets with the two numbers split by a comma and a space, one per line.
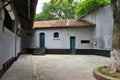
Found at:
[62, 23]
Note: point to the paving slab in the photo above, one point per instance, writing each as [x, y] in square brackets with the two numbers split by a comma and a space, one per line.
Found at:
[67, 67]
[54, 67]
[22, 69]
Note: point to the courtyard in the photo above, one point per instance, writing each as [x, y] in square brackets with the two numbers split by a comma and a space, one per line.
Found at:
[54, 67]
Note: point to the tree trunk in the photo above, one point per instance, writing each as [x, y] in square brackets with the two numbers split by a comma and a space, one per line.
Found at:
[115, 53]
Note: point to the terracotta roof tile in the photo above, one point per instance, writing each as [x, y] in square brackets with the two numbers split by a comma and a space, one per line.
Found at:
[62, 23]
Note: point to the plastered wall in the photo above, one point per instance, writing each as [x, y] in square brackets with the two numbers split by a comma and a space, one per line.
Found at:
[63, 42]
[8, 47]
[103, 18]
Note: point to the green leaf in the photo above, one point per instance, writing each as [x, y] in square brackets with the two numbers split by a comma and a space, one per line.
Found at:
[85, 7]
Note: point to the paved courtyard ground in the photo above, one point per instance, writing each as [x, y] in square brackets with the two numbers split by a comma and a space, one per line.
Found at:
[54, 67]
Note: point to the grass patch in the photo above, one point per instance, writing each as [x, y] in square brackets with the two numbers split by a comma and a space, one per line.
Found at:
[103, 70]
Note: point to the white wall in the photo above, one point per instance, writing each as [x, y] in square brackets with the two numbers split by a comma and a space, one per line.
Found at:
[18, 44]
[7, 48]
[7, 41]
[8, 45]
[103, 18]
[1, 24]
[63, 42]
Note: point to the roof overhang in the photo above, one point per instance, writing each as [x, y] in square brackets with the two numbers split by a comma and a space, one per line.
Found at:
[62, 24]
[25, 10]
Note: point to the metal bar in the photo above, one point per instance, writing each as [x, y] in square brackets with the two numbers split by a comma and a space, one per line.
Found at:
[6, 4]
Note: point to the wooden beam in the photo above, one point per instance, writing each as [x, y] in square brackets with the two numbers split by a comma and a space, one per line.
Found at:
[26, 18]
[6, 4]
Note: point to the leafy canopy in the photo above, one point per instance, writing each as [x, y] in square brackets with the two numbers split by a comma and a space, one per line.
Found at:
[64, 9]
[45, 14]
[85, 7]
[68, 9]
[57, 9]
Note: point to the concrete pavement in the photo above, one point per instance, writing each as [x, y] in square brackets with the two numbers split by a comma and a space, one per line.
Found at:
[22, 69]
[54, 67]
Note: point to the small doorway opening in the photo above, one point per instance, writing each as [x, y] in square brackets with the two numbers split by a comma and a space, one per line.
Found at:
[42, 40]
[72, 45]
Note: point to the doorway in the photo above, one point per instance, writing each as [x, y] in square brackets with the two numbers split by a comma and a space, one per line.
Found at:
[42, 40]
[72, 45]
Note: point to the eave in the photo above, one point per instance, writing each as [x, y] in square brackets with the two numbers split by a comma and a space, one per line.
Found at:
[25, 10]
[22, 10]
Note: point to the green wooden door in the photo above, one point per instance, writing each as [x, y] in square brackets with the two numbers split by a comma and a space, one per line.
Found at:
[72, 45]
[42, 40]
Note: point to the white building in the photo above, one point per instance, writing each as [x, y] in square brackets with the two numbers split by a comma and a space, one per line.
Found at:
[73, 36]
[62, 36]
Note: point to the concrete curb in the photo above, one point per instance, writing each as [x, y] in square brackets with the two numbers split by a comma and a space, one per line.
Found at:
[100, 76]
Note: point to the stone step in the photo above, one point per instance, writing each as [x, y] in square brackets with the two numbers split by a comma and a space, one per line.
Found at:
[39, 51]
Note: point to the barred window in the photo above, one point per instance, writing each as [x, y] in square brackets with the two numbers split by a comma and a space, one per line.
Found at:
[56, 35]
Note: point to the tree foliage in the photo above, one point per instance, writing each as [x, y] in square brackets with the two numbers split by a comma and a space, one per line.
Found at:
[45, 14]
[87, 6]
[70, 1]
[63, 9]
[57, 9]
[68, 9]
